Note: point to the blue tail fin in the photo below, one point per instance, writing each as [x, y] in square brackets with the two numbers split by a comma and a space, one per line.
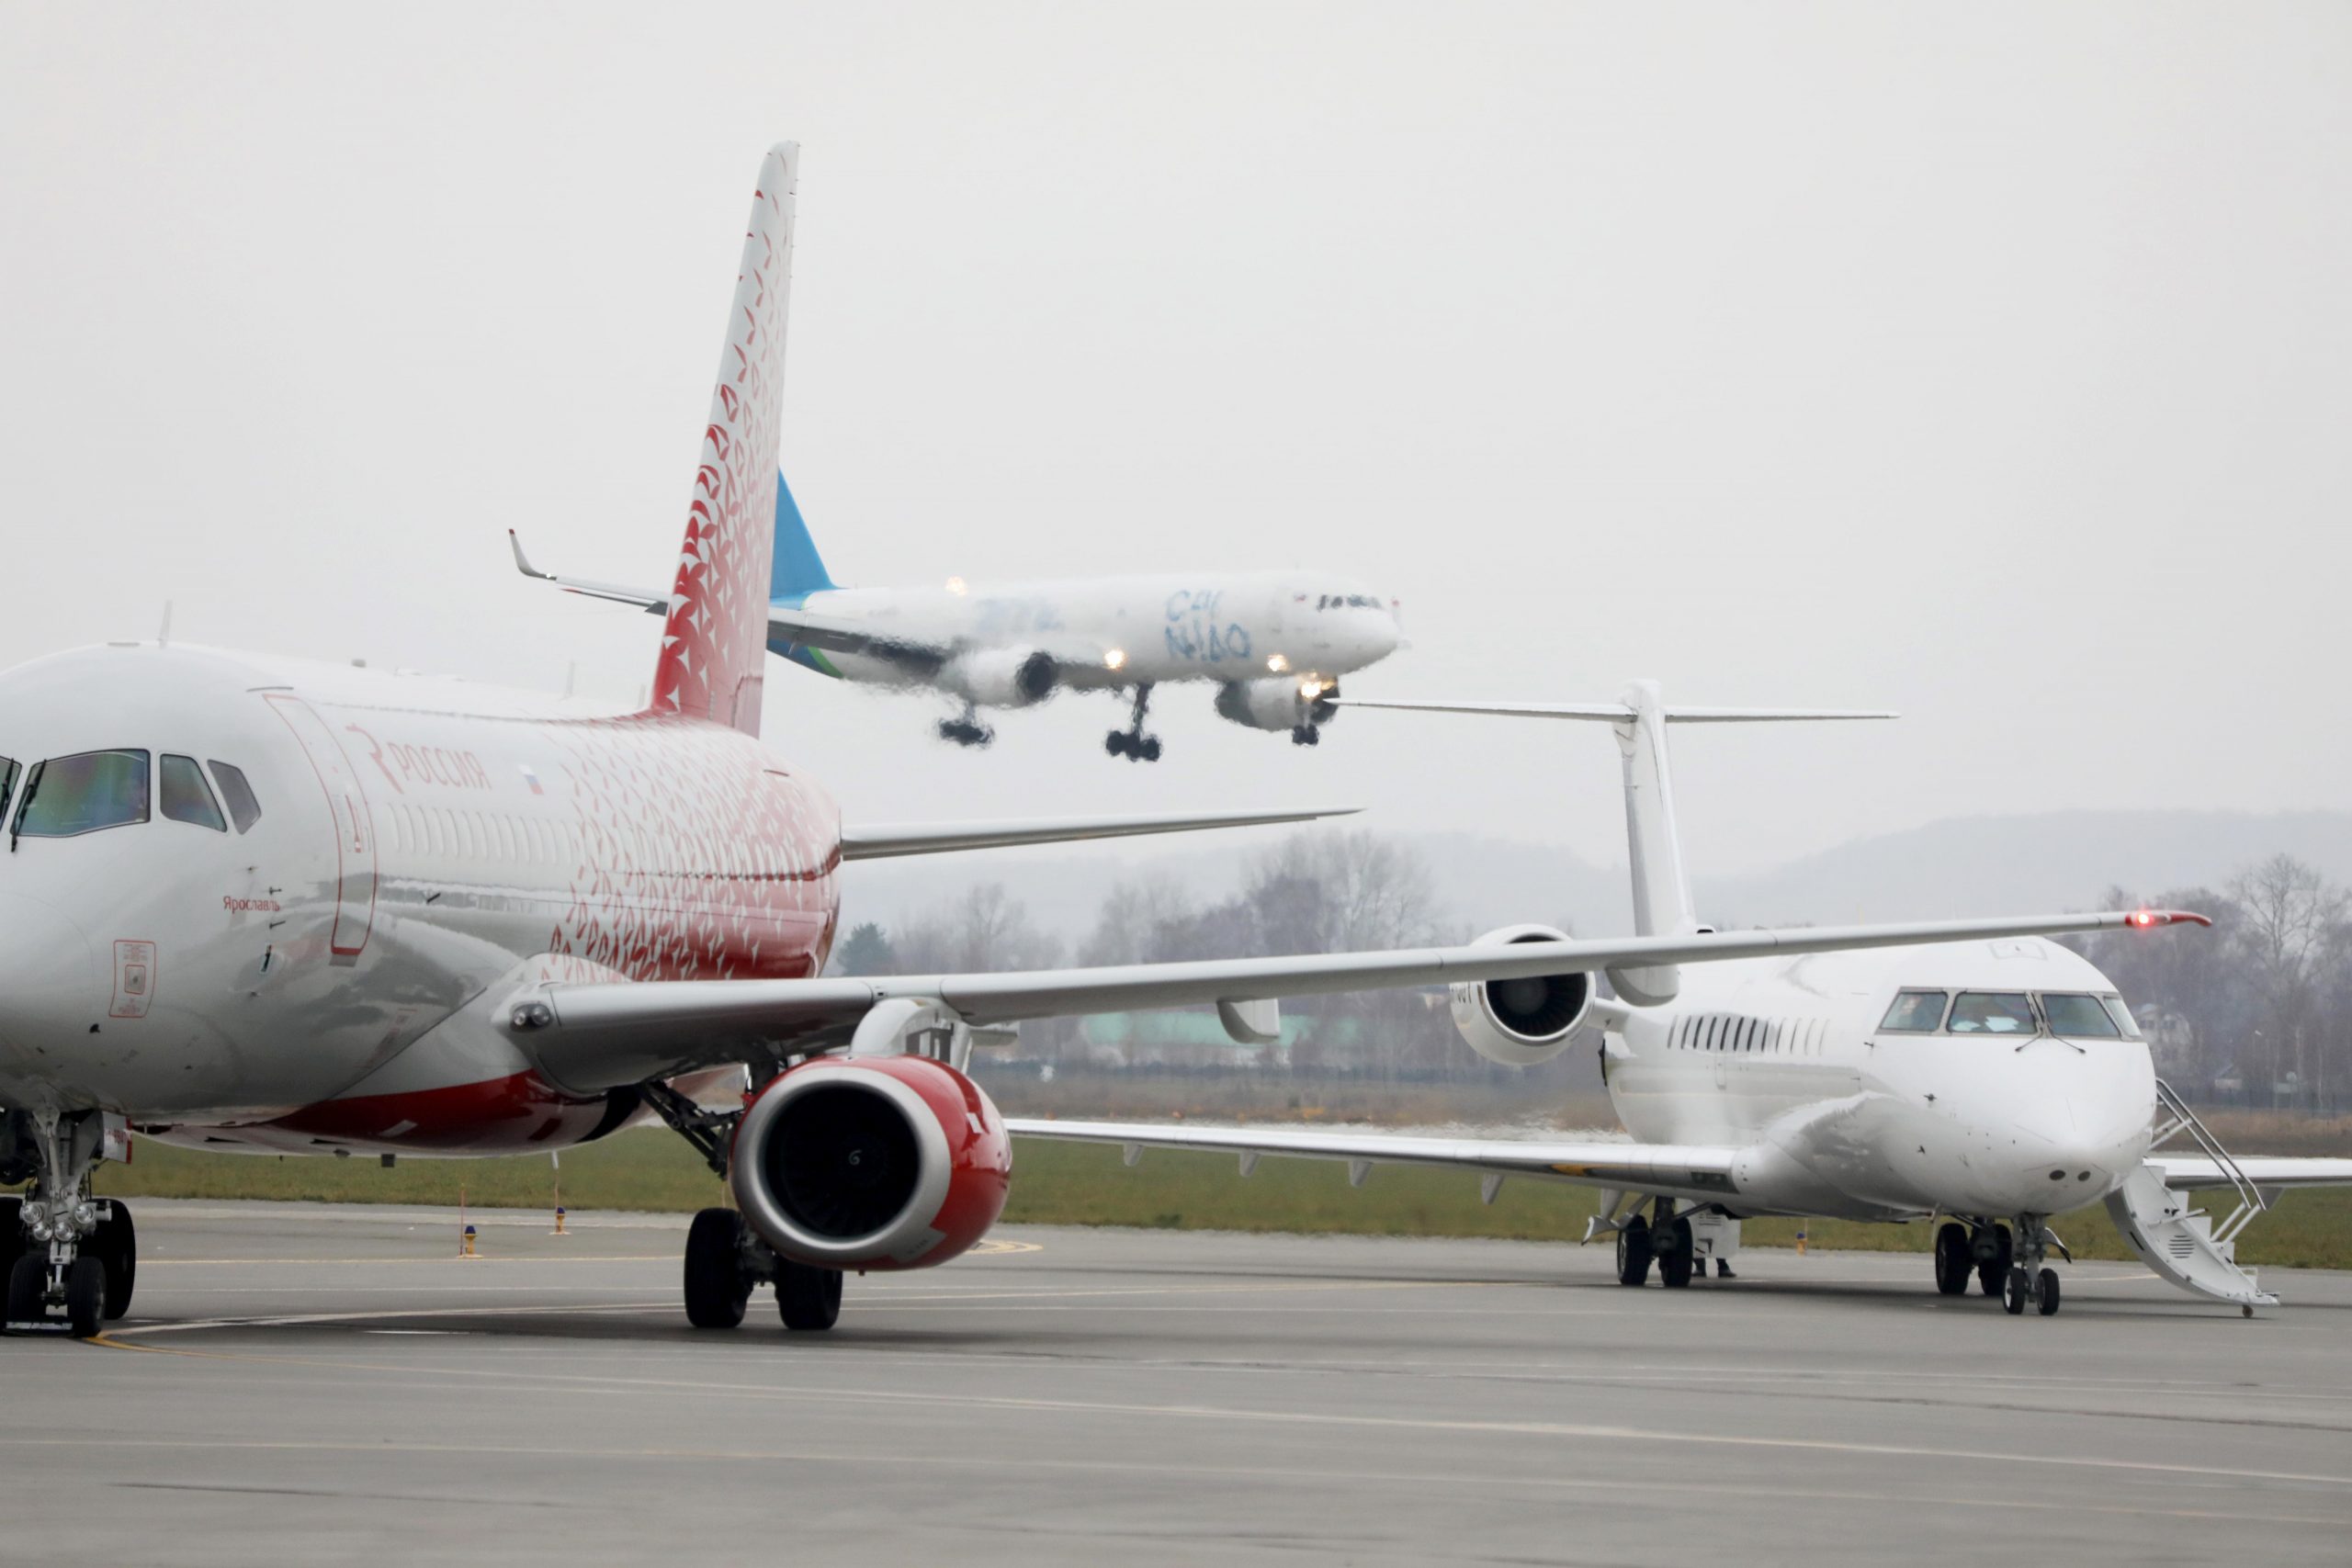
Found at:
[796, 569]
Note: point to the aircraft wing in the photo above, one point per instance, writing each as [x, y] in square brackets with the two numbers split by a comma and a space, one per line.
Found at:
[1695, 1171]
[592, 1037]
[643, 598]
[2186, 1172]
[890, 839]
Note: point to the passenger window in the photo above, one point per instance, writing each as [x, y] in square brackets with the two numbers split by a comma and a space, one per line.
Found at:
[1992, 1012]
[2117, 1010]
[1915, 1012]
[2078, 1018]
[186, 798]
[244, 809]
[66, 797]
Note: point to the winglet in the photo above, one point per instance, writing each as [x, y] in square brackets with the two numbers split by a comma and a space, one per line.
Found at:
[523, 562]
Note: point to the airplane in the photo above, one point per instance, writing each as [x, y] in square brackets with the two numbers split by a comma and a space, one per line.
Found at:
[1980, 1085]
[263, 905]
[1275, 643]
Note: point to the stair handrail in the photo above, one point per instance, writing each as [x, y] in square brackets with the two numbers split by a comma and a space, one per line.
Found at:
[2251, 1202]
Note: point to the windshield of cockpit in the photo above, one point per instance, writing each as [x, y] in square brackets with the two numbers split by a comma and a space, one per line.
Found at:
[2073, 1015]
[65, 797]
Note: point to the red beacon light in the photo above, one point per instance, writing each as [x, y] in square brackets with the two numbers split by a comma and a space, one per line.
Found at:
[2146, 917]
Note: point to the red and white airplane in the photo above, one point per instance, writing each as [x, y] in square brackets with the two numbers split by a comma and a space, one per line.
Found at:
[253, 903]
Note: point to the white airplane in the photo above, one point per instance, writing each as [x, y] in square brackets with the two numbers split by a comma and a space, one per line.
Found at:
[251, 903]
[1980, 1085]
[1274, 643]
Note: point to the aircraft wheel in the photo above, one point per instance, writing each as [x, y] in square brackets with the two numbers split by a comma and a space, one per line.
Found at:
[28, 1281]
[85, 1296]
[2013, 1296]
[1990, 1275]
[809, 1298]
[1633, 1253]
[117, 1245]
[715, 1286]
[1953, 1264]
[1150, 750]
[2047, 1301]
[1115, 743]
[1674, 1262]
[12, 1234]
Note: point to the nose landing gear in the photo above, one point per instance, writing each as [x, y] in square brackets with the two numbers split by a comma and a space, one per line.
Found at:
[71, 1252]
[2028, 1280]
[966, 729]
[1132, 742]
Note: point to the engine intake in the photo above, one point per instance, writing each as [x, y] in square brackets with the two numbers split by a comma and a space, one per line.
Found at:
[871, 1162]
[1281, 702]
[1004, 677]
[1522, 1023]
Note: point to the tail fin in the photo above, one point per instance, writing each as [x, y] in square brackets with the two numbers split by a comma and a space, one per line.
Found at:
[800, 570]
[1662, 902]
[714, 638]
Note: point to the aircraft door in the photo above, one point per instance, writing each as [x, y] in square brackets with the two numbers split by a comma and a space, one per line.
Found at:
[354, 827]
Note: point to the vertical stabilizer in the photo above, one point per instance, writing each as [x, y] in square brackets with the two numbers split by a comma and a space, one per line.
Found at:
[800, 570]
[715, 637]
[1662, 905]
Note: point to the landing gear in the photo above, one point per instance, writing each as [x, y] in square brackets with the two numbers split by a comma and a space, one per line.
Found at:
[1132, 742]
[1674, 1256]
[1991, 1247]
[1634, 1252]
[1954, 1261]
[2028, 1280]
[1307, 735]
[724, 1260]
[67, 1250]
[809, 1298]
[717, 1285]
[966, 729]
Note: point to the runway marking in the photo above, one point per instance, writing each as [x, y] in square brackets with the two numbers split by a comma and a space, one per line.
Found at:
[1232, 1415]
[1260, 1474]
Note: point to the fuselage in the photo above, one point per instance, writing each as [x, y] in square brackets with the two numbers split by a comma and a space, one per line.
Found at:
[264, 903]
[2028, 1090]
[1122, 631]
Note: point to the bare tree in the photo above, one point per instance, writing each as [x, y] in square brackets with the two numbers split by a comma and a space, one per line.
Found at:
[2289, 920]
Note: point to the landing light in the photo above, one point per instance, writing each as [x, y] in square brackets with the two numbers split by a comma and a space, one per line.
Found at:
[1276, 663]
[1115, 660]
[955, 585]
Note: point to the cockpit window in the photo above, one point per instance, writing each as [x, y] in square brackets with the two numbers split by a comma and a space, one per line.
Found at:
[185, 796]
[244, 809]
[1915, 1012]
[2077, 1017]
[1992, 1012]
[7, 780]
[70, 795]
[2117, 1010]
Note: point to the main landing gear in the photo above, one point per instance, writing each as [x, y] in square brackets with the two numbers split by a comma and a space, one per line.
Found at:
[966, 729]
[2015, 1273]
[724, 1260]
[1307, 735]
[1131, 742]
[1668, 1243]
[65, 1253]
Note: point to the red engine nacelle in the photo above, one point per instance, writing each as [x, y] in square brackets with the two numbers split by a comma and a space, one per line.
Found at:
[871, 1162]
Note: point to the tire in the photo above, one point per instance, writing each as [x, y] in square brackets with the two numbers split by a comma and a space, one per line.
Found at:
[1674, 1263]
[27, 1278]
[85, 1296]
[1115, 743]
[12, 1234]
[808, 1299]
[715, 1286]
[1990, 1277]
[2048, 1301]
[117, 1245]
[1634, 1253]
[2013, 1295]
[1953, 1263]
[1150, 753]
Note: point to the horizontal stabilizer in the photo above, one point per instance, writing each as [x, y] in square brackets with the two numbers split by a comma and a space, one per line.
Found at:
[939, 837]
[1618, 713]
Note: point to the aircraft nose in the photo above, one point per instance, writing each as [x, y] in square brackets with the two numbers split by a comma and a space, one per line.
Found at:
[2069, 1148]
[49, 976]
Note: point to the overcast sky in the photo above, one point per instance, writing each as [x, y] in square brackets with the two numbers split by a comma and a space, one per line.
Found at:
[1991, 364]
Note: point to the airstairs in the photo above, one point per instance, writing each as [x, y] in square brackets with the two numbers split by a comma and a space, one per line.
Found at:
[2181, 1244]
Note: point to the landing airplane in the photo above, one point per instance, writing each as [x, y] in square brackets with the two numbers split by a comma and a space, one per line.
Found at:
[1980, 1085]
[250, 903]
[1274, 643]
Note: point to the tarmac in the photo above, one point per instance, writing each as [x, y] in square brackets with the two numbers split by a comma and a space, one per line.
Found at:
[301, 1383]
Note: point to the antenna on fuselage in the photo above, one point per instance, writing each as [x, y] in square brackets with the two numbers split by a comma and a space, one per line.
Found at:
[1662, 901]
[163, 632]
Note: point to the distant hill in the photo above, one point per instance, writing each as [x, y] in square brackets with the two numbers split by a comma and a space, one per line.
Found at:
[1973, 865]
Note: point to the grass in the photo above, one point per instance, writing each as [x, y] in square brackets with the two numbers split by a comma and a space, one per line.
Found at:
[1073, 1184]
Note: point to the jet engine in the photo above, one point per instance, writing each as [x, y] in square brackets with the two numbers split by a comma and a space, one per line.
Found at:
[1002, 677]
[1521, 1024]
[871, 1162]
[1278, 702]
